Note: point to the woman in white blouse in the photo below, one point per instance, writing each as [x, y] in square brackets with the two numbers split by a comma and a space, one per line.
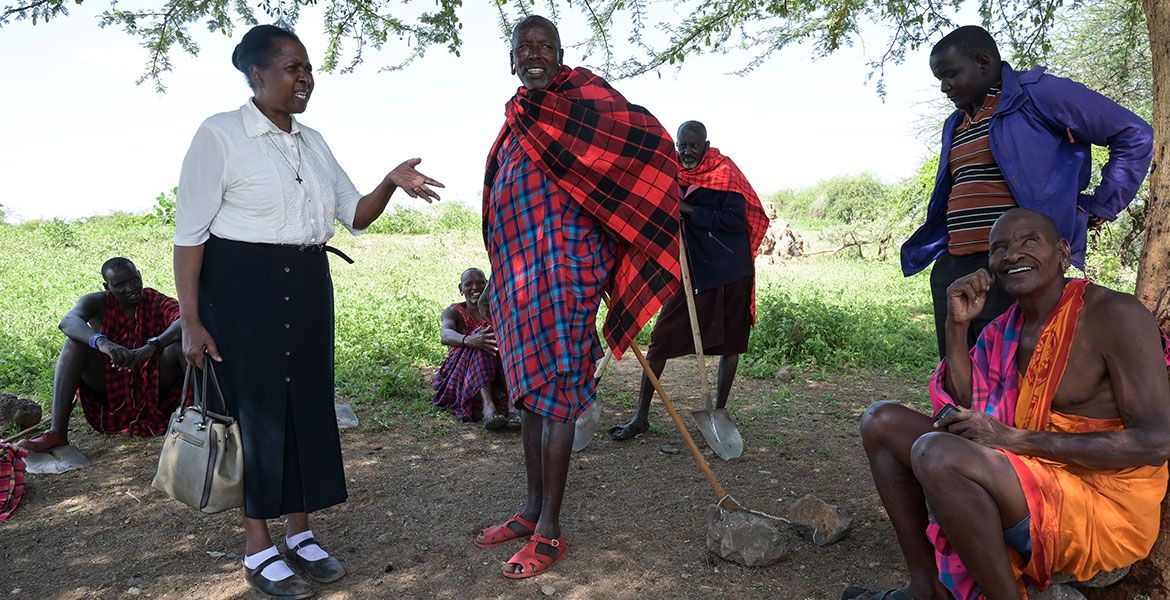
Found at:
[258, 197]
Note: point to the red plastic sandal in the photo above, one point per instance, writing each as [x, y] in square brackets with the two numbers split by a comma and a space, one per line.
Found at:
[533, 563]
[495, 535]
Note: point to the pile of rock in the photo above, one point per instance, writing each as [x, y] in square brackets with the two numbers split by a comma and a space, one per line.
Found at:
[754, 540]
[780, 242]
[17, 412]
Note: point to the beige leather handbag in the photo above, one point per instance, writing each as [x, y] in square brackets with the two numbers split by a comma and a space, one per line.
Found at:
[202, 460]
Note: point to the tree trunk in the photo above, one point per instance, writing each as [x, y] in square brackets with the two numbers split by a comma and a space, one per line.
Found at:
[1151, 577]
[1153, 282]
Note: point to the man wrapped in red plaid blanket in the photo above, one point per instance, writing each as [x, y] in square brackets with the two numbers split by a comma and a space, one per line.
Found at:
[723, 223]
[120, 359]
[580, 199]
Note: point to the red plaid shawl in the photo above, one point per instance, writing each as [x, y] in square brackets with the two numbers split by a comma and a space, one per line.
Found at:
[132, 404]
[11, 478]
[719, 172]
[615, 160]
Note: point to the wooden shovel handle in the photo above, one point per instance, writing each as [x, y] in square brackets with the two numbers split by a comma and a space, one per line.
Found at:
[682, 429]
[689, 291]
[603, 363]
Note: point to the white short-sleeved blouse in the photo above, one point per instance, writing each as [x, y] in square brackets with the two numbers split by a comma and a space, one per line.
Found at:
[239, 182]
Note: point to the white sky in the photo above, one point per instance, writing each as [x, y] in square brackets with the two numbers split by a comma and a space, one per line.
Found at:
[83, 139]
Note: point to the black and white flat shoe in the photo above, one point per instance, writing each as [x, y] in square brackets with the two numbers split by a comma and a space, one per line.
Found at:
[290, 588]
[325, 570]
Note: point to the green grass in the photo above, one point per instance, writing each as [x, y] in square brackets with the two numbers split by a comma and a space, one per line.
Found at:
[823, 314]
[830, 313]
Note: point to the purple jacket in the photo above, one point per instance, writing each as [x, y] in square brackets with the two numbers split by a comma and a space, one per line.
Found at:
[1040, 135]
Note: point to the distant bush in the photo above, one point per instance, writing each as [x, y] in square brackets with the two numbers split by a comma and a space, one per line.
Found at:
[846, 199]
[445, 216]
[60, 233]
[859, 212]
[809, 328]
[164, 206]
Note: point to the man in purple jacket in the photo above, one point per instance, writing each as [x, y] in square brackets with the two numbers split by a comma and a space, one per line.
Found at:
[1018, 138]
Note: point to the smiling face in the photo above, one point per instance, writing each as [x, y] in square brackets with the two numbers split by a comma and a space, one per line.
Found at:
[284, 87]
[536, 53]
[1027, 252]
[471, 285]
[125, 283]
[963, 79]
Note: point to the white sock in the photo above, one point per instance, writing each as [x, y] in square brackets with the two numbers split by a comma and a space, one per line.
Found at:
[310, 552]
[277, 571]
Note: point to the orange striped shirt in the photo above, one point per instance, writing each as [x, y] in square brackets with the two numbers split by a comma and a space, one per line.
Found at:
[979, 193]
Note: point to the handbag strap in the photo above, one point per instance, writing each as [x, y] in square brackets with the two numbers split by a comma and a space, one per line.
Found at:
[188, 381]
[209, 369]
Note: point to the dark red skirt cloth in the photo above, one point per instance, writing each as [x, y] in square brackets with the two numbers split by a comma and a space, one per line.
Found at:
[725, 322]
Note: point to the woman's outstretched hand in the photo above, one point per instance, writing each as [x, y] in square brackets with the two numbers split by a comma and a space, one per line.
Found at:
[415, 184]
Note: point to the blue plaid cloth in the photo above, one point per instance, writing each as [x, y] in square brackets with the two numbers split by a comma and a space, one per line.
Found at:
[550, 260]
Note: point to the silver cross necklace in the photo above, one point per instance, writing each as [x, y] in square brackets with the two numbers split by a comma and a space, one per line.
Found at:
[297, 168]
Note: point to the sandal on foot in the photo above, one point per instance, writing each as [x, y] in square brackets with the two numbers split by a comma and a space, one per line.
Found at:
[494, 422]
[44, 442]
[854, 592]
[513, 421]
[495, 535]
[628, 431]
[531, 561]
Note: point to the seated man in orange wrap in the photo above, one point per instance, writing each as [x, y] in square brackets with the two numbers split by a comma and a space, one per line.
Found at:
[1047, 453]
[121, 359]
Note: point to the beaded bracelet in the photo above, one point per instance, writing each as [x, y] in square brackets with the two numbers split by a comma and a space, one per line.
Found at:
[93, 339]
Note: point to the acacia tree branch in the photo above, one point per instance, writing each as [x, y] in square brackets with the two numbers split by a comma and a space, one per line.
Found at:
[31, 8]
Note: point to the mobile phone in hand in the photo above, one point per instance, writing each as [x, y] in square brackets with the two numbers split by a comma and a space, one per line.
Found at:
[945, 412]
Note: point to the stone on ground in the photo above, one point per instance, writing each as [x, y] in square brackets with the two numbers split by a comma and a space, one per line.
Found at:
[346, 418]
[1057, 591]
[18, 413]
[744, 538]
[818, 521]
[1100, 580]
[56, 461]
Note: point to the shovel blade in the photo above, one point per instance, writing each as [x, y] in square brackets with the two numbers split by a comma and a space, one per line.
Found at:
[720, 432]
[586, 423]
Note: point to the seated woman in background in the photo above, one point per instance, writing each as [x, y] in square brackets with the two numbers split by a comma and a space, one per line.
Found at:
[469, 378]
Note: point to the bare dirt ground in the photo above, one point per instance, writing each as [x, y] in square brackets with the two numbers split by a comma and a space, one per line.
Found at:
[634, 516]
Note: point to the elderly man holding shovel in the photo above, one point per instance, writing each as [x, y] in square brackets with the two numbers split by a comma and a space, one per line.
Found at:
[723, 224]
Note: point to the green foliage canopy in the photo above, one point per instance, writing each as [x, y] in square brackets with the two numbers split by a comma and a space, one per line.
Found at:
[690, 27]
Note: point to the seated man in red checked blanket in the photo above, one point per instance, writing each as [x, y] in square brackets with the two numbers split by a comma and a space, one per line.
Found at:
[469, 377]
[723, 224]
[121, 359]
[580, 200]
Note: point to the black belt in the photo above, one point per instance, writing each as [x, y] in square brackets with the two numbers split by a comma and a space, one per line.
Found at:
[319, 248]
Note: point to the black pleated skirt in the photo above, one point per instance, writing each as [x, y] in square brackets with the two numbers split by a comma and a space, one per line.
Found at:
[270, 310]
